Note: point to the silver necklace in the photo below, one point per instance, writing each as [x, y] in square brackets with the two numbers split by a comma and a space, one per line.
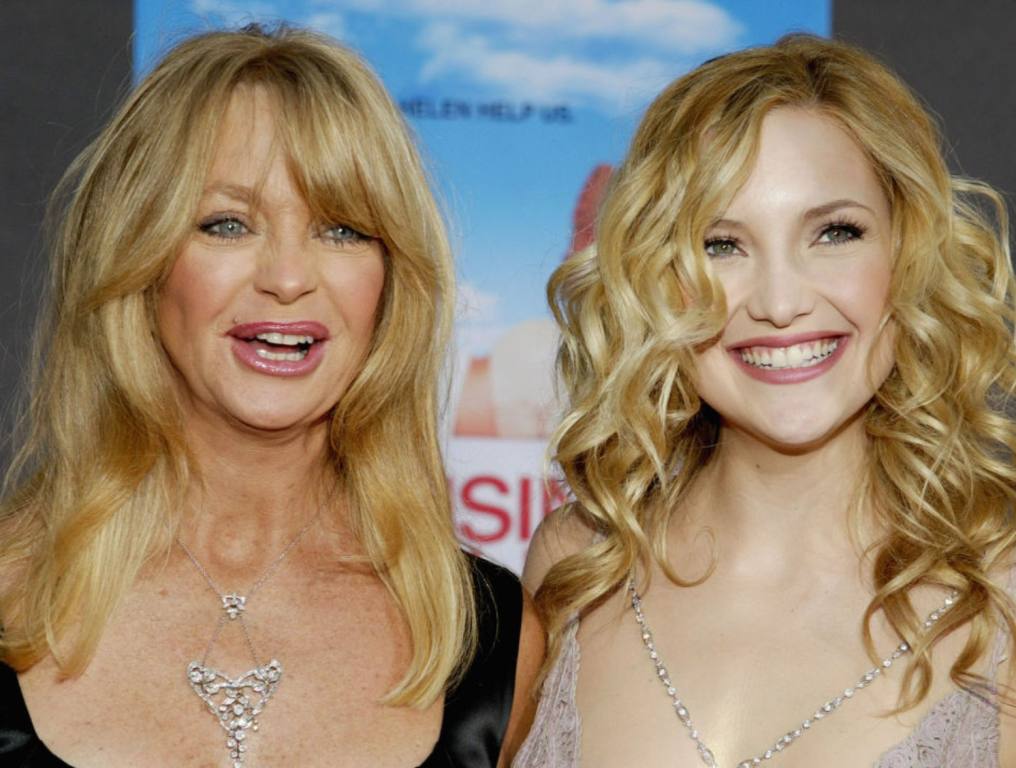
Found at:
[826, 709]
[236, 702]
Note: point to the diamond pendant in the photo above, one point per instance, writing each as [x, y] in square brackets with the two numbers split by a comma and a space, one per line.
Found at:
[233, 604]
[235, 702]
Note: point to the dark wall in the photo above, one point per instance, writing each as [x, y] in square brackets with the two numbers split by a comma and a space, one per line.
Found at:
[960, 57]
[63, 66]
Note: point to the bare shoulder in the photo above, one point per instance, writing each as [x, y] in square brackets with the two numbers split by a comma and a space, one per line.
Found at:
[532, 647]
[562, 533]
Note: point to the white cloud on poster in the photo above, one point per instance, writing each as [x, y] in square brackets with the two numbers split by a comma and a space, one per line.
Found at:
[608, 54]
[234, 13]
[680, 26]
[535, 75]
[475, 305]
[476, 340]
[329, 22]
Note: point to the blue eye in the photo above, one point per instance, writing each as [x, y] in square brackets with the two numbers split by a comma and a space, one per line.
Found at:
[225, 227]
[722, 247]
[342, 234]
[840, 232]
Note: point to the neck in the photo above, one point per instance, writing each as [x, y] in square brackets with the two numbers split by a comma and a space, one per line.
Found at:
[775, 513]
[255, 492]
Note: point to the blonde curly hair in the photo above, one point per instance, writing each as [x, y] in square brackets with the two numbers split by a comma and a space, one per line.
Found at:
[940, 472]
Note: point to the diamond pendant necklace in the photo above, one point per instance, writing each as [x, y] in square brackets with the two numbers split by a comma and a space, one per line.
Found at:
[236, 702]
[830, 707]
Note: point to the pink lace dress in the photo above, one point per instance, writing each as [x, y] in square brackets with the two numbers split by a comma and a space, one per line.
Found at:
[960, 731]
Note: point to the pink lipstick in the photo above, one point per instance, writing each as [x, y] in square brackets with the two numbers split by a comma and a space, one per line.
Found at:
[279, 348]
[790, 359]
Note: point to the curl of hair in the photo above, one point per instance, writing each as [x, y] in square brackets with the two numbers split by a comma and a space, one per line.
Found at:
[96, 484]
[940, 474]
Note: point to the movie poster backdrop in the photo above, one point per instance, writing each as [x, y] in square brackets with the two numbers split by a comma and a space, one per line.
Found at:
[522, 108]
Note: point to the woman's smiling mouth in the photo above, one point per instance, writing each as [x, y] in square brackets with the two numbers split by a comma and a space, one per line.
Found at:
[789, 359]
[795, 356]
[279, 348]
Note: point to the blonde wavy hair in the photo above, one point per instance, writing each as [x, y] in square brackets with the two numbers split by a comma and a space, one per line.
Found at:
[100, 471]
[940, 475]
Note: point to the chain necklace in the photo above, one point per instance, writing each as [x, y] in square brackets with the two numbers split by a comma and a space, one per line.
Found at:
[236, 702]
[826, 709]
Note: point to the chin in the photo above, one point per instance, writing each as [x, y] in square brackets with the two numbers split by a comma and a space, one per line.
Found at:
[797, 436]
[793, 443]
[270, 417]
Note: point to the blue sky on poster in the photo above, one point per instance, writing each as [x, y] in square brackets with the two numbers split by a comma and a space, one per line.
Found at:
[514, 101]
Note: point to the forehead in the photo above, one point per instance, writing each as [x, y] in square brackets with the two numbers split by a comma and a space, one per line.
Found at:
[247, 140]
[804, 159]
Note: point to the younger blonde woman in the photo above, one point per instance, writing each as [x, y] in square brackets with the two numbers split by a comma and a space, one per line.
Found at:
[789, 359]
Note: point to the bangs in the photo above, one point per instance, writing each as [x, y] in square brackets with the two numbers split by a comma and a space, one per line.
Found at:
[335, 154]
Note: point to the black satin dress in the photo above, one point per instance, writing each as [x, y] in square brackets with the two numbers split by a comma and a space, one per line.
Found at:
[475, 712]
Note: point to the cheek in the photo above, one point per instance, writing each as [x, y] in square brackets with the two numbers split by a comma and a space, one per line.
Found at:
[356, 290]
[859, 289]
[176, 301]
[868, 302]
[189, 299]
[864, 300]
[711, 375]
[883, 355]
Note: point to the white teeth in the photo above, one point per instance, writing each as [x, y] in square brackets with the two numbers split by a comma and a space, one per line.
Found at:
[284, 338]
[291, 357]
[795, 356]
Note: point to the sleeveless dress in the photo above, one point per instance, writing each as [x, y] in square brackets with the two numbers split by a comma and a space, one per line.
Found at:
[960, 731]
[475, 712]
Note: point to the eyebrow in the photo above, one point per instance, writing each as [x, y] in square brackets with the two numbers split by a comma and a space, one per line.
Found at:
[235, 191]
[835, 205]
[812, 213]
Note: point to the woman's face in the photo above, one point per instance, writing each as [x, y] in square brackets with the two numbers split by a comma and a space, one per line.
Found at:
[267, 313]
[804, 255]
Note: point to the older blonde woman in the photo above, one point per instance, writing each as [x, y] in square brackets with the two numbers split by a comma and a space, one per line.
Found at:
[789, 359]
[228, 540]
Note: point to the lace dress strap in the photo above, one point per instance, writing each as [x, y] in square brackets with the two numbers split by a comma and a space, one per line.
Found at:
[553, 740]
[1002, 640]
[962, 730]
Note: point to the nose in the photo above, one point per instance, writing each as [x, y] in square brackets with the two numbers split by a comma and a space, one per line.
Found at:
[780, 291]
[286, 268]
